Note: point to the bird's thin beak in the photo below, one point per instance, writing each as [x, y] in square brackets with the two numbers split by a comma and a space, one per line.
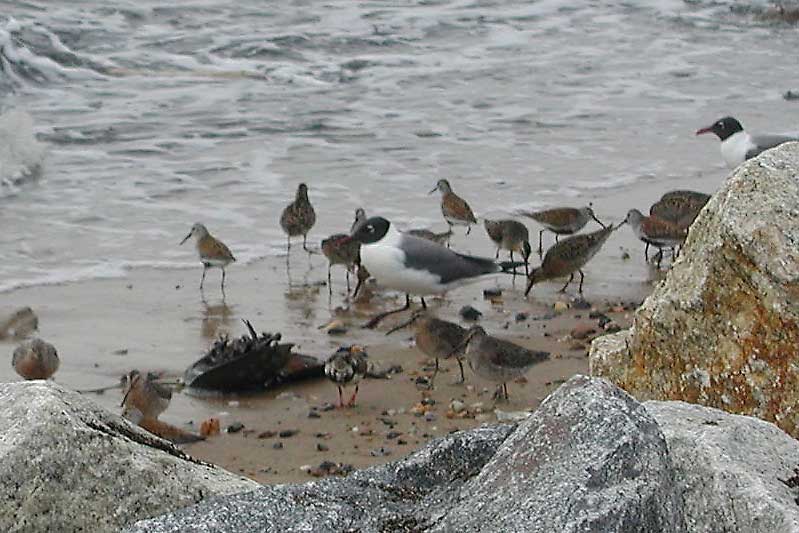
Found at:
[702, 131]
[124, 398]
[623, 222]
[186, 238]
[598, 221]
[401, 326]
[434, 190]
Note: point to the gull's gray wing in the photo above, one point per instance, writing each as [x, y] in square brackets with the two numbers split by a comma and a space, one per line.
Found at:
[764, 142]
[421, 254]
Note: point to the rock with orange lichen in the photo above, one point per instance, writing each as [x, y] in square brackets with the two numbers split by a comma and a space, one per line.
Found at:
[723, 329]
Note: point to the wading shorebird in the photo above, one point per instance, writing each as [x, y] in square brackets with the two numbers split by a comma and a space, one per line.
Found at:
[737, 145]
[562, 221]
[416, 266]
[212, 251]
[346, 366]
[569, 256]
[438, 238]
[510, 235]
[35, 359]
[436, 338]
[144, 394]
[298, 218]
[498, 360]
[679, 209]
[340, 252]
[656, 232]
[694, 197]
[454, 208]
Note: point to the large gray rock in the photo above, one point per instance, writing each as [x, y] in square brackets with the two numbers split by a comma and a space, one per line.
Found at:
[66, 464]
[723, 329]
[589, 459]
[729, 468]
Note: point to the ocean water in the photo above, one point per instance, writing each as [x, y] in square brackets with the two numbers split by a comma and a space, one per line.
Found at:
[124, 122]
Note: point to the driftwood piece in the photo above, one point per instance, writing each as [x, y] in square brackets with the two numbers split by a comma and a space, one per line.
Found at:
[251, 362]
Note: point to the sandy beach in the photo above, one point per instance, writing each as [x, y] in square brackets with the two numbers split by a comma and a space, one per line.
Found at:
[155, 320]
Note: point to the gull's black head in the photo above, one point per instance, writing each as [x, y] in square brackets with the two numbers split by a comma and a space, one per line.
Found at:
[723, 128]
[371, 231]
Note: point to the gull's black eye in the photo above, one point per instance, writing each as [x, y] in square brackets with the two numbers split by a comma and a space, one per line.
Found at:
[720, 125]
[370, 228]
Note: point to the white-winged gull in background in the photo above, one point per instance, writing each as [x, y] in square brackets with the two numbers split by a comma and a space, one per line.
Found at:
[737, 145]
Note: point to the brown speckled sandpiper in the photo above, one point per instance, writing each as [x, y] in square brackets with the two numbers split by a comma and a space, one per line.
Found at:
[341, 251]
[656, 232]
[454, 208]
[35, 359]
[346, 366]
[510, 235]
[499, 360]
[562, 221]
[144, 394]
[436, 338]
[438, 238]
[212, 251]
[569, 256]
[298, 218]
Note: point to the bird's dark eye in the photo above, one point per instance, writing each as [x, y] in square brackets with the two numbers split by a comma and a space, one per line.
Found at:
[370, 228]
[720, 125]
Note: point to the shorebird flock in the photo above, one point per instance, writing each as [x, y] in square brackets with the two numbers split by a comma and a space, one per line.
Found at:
[420, 263]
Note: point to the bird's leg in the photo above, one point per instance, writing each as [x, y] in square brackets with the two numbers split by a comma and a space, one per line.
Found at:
[505, 387]
[582, 277]
[435, 373]
[205, 269]
[357, 285]
[646, 252]
[329, 280]
[660, 257]
[556, 238]
[377, 318]
[352, 398]
[424, 304]
[305, 243]
[449, 237]
[348, 281]
[340, 399]
[223, 279]
[540, 242]
[571, 277]
[497, 256]
[468, 229]
[288, 245]
[460, 364]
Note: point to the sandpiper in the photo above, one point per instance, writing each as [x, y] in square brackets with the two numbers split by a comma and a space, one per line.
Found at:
[144, 394]
[35, 359]
[212, 251]
[656, 232]
[298, 218]
[347, 365]
[686, 195]
[562, 220]
[438, 238]
[436, 338]
[498, 360]
[454, 208]
[340, 251]
[161, 429]
[510, 235]
[679, 210]
[416, 266]
[737, 145]
[360, 217]
[569, 256]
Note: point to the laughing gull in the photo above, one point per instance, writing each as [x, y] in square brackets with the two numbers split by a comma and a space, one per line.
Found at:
[417, 266]
[737, 145]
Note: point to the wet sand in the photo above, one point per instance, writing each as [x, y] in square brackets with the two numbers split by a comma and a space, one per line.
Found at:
[156, 320]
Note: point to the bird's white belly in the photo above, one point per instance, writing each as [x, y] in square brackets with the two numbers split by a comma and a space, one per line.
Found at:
[735, 147]
[386, 264]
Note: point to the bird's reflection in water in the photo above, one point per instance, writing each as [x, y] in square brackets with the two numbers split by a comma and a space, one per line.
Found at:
[216, 319]
[302, 301]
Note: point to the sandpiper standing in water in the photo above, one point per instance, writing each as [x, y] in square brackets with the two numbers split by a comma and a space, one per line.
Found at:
[656, 232]
[346, 366]
[510, 235]
[569, 256]
[298, 218]
[212, 251]
[438, 238]
[498, 360]
[562, 221]
[341, 251]
[35, 359]
[436, 338]
[454, 208]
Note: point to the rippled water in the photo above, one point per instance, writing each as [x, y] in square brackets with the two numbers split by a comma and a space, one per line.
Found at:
[132, 120]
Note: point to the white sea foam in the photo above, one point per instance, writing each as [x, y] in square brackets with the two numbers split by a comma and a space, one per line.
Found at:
[21, 155]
